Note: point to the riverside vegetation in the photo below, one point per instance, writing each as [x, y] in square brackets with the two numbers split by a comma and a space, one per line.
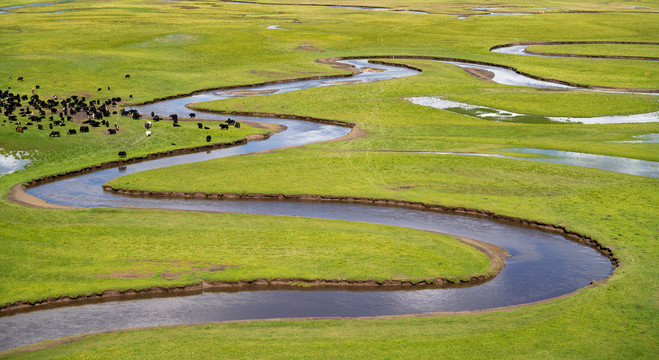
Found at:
[56, 252]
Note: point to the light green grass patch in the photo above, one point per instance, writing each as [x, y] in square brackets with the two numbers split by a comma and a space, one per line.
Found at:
[600, 49]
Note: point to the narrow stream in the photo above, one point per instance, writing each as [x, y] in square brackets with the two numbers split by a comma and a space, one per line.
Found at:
[521, 50]
[3, 10]
[543, 265]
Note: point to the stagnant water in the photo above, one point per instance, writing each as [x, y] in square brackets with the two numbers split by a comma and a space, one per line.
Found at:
[543, 265]
[14, 161]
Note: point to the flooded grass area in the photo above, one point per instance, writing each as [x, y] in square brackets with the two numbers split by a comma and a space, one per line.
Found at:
[15, 160]
[502, 115]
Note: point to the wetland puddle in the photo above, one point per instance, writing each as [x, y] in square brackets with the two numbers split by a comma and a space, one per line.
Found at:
[14, 161]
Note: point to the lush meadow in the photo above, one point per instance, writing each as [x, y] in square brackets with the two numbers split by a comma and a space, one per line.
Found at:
[177, 47]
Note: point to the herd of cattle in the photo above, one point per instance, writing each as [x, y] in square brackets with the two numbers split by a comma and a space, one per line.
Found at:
[31, 111]
[76, 112]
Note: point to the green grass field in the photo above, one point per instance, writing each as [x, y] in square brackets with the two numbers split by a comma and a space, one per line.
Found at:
[177, 47]
[604, 49]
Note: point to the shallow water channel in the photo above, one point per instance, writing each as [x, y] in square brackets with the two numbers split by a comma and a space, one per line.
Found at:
[14, 162]
[521, 50]
[543, 265]
[3, 10]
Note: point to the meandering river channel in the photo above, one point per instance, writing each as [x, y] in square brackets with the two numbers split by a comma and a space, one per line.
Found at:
[543, 265]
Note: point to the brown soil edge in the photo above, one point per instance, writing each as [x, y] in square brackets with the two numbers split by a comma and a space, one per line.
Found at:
[324, 5]
[570, 234]
[618, 57]
[495, 254]
[480, 73]
[332, 61]
[477, 62]
[18, 195]
[275, 116]
[47, 344]
[329, 61]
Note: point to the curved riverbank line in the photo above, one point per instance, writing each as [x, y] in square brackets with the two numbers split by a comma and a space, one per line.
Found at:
[520, 48]
[359, 7]
[14, 196]
[575, 236]
[511, 68]
[546, 262]
[495, 254]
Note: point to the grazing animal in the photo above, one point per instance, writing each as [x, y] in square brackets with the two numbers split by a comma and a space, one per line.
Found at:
[36, 87]
[174, 117]
[208, 138]
[84, 129]
[20, 129]
[99, 89]
[20, 78]
[108, 88]
[127, 76]
[72, 131]
[206, 128]
[237, 124]
[148, 133]
[200, 125]
[54, 134]
[122, 154]
[193, 115]
[112, 131]
[177, 125]
[40, 127]
[230, 122]
[224, 127]
[148, 125]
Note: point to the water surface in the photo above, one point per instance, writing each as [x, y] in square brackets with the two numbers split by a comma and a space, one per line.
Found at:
[543, 265]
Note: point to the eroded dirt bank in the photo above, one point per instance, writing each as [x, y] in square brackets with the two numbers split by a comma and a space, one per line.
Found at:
[495, 254]
[618, 57]
[572, 235]
[476, 62]
[18, 194]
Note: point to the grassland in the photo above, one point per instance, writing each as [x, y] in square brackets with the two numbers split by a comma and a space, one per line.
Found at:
[205, 45]
[605, 50]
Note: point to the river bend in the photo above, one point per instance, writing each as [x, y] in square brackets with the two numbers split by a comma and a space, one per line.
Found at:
[543, 265]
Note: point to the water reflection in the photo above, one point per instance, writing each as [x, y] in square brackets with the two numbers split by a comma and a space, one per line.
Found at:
[3, 10]
[484, 112]
[521, 50]
[602, 162]
[543, 265]
[14, 161]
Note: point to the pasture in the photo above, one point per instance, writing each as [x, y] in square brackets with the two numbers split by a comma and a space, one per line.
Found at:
[178, 47]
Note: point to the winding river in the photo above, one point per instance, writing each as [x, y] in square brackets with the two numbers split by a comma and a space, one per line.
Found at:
[543, 265]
